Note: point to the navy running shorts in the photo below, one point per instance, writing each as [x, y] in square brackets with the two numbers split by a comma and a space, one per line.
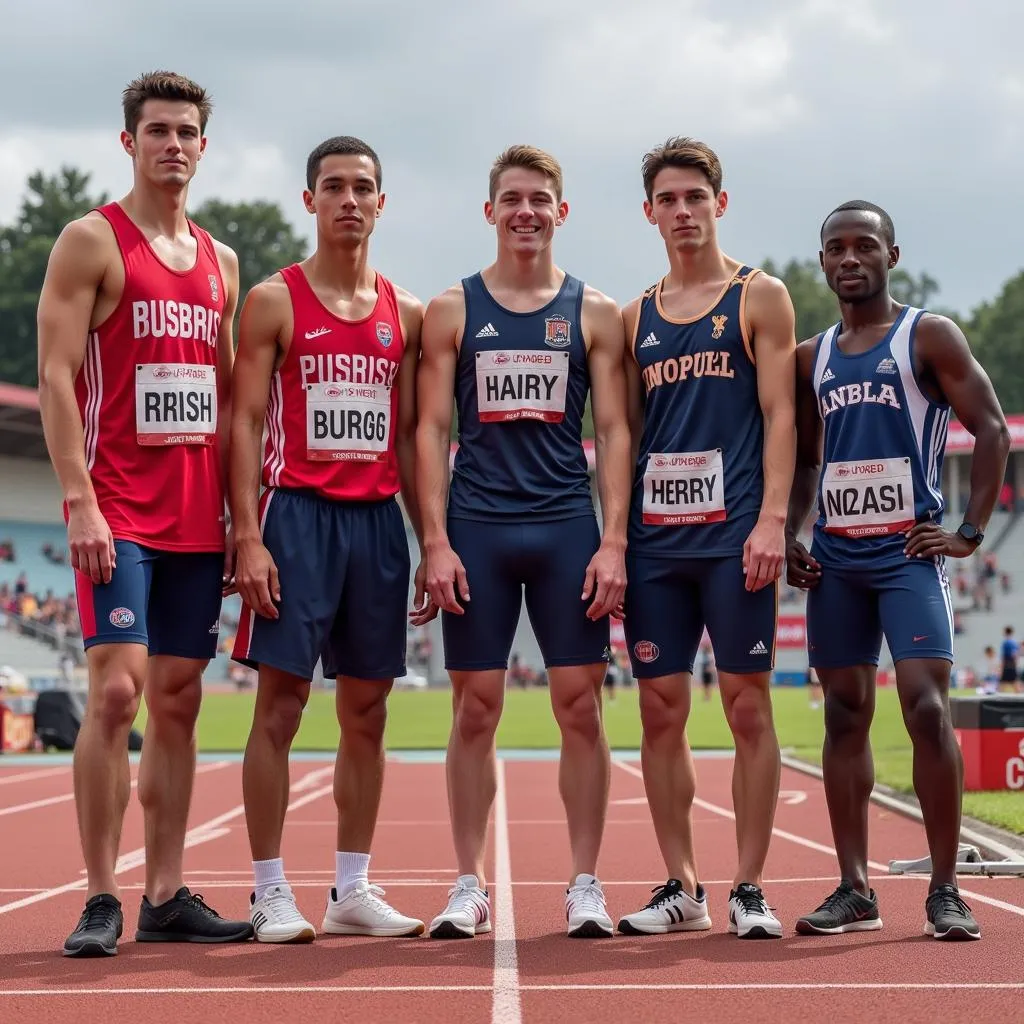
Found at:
[850, 609]
[344, 571]
[168, 601]
[670, 601]
[546, 559]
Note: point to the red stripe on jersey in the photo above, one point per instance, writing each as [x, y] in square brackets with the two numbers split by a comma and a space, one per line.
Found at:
[333, 407]
[147, 396]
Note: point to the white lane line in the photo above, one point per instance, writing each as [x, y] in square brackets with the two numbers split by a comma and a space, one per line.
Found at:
[810, 844]
[895, 986]
[43, 773]
[505, 1006]
[66, 797]
[202, 833]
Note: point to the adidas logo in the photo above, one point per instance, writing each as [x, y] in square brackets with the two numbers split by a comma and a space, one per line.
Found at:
[758, 648]
[827, 375]
[487, 331]
[650, 341]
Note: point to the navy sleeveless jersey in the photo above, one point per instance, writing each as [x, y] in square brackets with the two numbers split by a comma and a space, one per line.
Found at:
[884, 440]
[520, 390]
[699, 476]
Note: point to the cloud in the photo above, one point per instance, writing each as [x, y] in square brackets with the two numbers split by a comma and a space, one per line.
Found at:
[916, 106]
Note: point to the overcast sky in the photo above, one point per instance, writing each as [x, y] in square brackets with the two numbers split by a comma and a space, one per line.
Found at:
[915, 105]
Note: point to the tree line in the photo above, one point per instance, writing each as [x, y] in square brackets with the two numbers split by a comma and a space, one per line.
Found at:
[265, 241]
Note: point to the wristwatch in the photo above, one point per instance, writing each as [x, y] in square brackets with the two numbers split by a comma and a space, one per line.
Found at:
[971, 534]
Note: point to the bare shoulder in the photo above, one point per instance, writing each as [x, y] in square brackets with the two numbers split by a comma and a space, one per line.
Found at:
[448, 308]
[767, 293]
[90, 237]
[936, 328]
[805, 355]
[408, 304]
[227, 256]
[596, 303]
[269, 297]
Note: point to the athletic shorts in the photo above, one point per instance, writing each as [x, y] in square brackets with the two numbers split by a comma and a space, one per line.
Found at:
[850, 609]
[343, 568]
[169, 601]
[549, 561]
[670, 601]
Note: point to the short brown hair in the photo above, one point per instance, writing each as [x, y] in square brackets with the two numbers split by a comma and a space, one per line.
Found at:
[341, 145]
[533, 159]
[163, 85]
[682, 152]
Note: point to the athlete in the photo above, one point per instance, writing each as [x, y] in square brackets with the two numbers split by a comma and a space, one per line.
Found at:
[712, 409]
[518, 346]
[135, 353]
[875, 394]
[326, 359]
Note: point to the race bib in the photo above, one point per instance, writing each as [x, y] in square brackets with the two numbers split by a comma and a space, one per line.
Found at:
[347, 422]
[684, 488]
[175, 403]
[868, 498]
[521, 385]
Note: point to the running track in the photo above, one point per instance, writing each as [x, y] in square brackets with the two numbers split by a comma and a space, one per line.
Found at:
[527, 970]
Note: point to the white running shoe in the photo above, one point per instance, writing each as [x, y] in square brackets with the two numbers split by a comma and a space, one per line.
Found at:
[468, 912]
[750, 917]
[276, 918]
[585, 910]
[671, 909]
[361, 911]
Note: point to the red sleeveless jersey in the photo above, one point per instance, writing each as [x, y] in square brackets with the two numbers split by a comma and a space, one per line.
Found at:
[147, 392]
[333, 403]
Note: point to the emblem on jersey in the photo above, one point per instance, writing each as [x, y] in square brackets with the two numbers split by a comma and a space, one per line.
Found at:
[719, 322]
[887, 365]
[332, 391]
[160, 373]
[213, 287]
[646, 651]
[384, 333]
[123, 618]
[556, 332]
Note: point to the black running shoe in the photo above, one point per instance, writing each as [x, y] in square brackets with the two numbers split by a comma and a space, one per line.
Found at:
[98, 929]
[948, 916]
[186, 918]
[845, 910]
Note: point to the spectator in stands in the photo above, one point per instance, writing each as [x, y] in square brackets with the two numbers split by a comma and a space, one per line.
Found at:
[1008, 653]
[6, 551]
[990, 680]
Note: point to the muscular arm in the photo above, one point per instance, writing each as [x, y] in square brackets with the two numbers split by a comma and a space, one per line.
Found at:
[945, 356]
[73, 277]
[634, 382]
[435, 391]
[611, 426]
[411, 310]
[772, 322]
[259, 330]
[226, 350]
[808, 442]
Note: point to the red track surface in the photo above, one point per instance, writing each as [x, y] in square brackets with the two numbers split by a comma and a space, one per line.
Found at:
[893, 975]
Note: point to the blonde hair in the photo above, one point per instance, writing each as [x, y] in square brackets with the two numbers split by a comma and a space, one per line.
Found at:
[532, 159]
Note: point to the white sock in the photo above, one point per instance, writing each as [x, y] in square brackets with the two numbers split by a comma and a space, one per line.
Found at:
[268, 873]
[349, 870]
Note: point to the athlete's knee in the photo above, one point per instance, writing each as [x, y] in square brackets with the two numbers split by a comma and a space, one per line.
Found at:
[279, 713]
[579, 713]
[663, 714]
[114, 693]
[847, 715]
[174, 694]
[477, 713]
[927, 717]
[749, 714]
[365, 720]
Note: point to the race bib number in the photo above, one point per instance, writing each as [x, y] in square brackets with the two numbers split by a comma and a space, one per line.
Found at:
[175, 403]
[521, 385]
[869, 498]
[347, 422]
[684, 488]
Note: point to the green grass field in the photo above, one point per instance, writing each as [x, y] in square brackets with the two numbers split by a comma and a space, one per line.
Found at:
[421, 721]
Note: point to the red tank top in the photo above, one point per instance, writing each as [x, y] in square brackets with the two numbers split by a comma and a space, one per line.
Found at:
[147, 392]
[333, 402]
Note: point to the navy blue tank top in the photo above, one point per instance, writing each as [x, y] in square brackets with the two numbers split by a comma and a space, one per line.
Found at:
[884, 441]
[521, 386]
[699, 477]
